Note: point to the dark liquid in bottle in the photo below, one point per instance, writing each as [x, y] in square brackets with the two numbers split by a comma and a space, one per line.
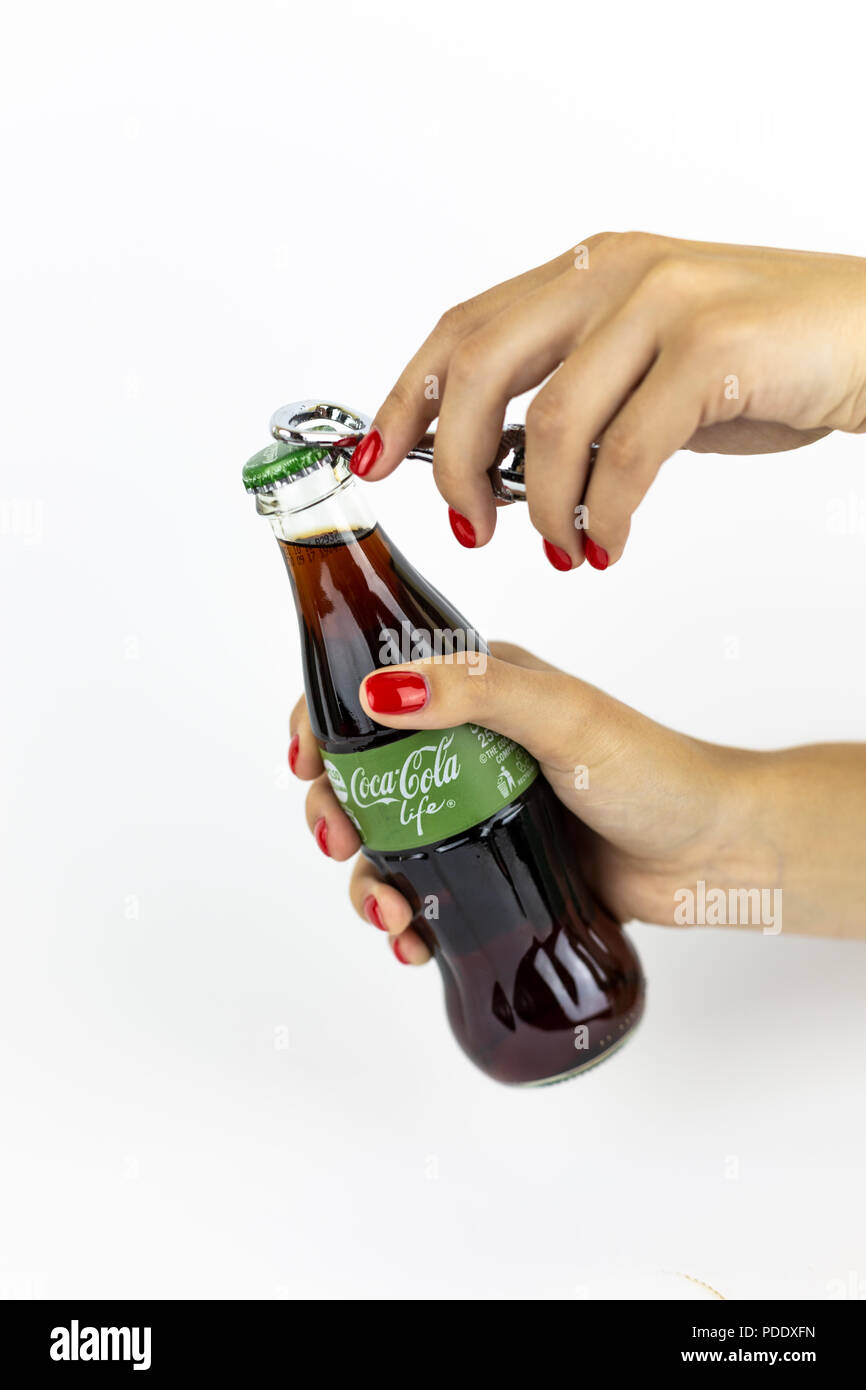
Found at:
[539, 980]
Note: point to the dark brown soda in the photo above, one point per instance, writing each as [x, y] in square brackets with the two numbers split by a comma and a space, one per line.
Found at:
[539, 979]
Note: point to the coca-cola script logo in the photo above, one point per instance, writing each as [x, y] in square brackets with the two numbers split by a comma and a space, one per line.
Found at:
[415, 785]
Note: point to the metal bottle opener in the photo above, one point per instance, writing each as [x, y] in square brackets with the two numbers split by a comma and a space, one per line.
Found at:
[334, 426]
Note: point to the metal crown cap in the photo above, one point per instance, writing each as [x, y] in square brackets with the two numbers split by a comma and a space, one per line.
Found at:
[307, 434]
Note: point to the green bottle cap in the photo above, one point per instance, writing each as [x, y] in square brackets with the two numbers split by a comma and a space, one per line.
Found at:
[308, 434]
[280, 463]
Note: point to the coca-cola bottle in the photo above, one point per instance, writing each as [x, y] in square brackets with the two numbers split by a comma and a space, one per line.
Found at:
[540, 981]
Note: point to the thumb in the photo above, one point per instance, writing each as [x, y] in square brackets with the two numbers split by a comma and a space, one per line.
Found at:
[557, 718]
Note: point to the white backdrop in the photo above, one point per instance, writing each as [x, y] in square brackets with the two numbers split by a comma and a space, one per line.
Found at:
[216, 1081]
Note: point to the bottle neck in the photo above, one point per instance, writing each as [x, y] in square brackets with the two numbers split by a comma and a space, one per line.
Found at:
[327, 500]
[338, 563]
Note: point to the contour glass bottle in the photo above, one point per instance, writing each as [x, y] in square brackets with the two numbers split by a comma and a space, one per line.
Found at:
[540, 982]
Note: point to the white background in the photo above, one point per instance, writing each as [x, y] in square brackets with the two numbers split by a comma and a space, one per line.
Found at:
[212, 209]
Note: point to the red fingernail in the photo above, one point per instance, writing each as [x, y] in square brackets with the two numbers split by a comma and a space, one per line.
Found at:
[560, 559]
[463, 529]
[596, 554]
[396, 692]
[373, 913]
[293, 751]
[320, 830]
[395, 947]
[366, 453]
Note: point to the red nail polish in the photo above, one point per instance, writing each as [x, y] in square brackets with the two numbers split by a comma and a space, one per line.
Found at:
[293, 751]
[559, 558]
[463, 529]
[395, 947]
[596, 554]
[373, 912]
[396, 692]
[320, 830]
[366, 453]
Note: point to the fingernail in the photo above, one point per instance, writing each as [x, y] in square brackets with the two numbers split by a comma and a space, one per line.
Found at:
[463, 529]
[366, 453]
[320, 830]
[395, 947]
[373, 913]
[396, 692]
[596, 554]
[559, 558]
[293, 751]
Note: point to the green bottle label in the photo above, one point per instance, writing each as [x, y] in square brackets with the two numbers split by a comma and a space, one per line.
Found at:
[430, 785]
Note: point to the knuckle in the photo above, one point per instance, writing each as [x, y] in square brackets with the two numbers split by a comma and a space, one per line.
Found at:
[619, 452]
[696, 341]
[592, 243]
[401, 397]
[467, 359]
[632, 241]
[543, 420]
[475, 689]
[671, 276]
[626, 245]
[509, 652]
[711, 335]
[458, 320]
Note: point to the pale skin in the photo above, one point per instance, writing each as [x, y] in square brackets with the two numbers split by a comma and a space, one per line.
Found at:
[654, 344]
[662, 810]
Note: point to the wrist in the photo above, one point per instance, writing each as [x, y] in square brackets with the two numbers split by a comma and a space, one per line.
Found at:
[748, 852]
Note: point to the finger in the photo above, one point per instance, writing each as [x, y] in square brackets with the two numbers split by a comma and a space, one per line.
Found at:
[388, 910]
[514, 350]
[569, 414]
[305, 757]
[334, 833]
[542, 709]
[377, 902]
[409, 948]
[659, 418]
[413, 402]
[623, 757]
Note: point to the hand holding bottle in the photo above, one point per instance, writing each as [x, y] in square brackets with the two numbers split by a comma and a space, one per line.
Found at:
[655, 344]
[463, 773]
[661, 812]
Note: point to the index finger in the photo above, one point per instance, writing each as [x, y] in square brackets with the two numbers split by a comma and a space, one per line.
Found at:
[413, 402]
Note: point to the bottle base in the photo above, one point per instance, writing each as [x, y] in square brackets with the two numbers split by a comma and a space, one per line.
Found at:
[575, 1071]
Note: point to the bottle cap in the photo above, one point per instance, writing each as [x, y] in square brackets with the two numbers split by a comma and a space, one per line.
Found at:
[279, 463]
[307, 434]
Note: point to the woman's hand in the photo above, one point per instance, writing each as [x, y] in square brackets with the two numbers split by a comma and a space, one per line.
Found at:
[655, 345]
[663, 812]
